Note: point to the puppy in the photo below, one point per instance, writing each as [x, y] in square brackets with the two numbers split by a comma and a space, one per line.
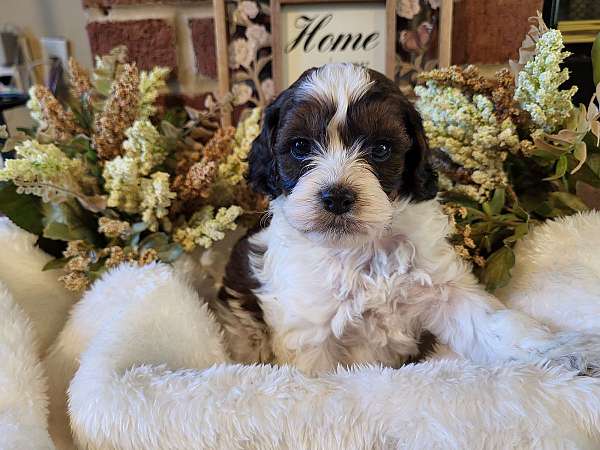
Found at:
[354, 265]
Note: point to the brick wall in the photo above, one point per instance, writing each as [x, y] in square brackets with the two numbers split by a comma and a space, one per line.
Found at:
[178, 34]
[490, 31]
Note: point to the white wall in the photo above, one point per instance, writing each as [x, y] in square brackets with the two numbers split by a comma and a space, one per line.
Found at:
[57, 18]
[39, 18]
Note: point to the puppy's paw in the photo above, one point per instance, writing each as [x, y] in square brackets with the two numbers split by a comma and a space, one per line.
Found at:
[576, 351]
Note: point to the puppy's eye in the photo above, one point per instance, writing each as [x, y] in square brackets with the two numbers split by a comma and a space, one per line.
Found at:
[300, 148]
[381, 151]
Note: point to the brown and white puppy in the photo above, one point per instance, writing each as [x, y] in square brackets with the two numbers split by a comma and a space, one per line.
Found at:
[354, 265]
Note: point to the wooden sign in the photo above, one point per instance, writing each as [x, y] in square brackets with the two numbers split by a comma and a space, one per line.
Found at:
[309, 33]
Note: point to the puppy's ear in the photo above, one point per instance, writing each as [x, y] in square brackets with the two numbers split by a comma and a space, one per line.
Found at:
[420, 180]
[262, 166]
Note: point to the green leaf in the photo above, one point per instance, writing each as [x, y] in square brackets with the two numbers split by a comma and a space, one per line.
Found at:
[24, 210]
[596, 59]
[497, 269]
[506, 217]
[460, 199]
[67, 221]
[560, 169]
[57, 263]
[520, 231]
[562, 199]
[170, 252]
[521, 213]
[28, 131]
[155, 240]
[97, 270]
[593, 163]
[580, 154]
[546, 209]
[138, 227]
[495, 205]
[548, 151]
[474, 214]
[103, 86]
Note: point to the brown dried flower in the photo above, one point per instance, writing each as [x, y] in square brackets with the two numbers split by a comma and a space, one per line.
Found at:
[462, 251]
[249, 200]
[114, 228]
[60, 124]
[198, 180]
[75, 281]
[479, 260]
[527, 147]
[149, 255]
[500, 90]
[78, 264]
[119, 113]
[503, 97]
[187, 155]
[220, 145]
[117, 256]
[76, 248]
[468, 79]
[193, 187]
[80, 78]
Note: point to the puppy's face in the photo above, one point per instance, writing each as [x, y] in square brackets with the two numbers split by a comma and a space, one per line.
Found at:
[340, 145]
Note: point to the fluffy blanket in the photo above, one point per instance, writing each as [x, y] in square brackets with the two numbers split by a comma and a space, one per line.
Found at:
[142, 364]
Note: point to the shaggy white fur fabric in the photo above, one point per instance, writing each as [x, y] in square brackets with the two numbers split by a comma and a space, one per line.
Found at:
[23, 400]
[556, 277]
[138, 356]
[45, 301]
[140, 384]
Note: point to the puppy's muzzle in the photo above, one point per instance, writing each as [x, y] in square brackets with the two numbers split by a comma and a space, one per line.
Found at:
[337, 199]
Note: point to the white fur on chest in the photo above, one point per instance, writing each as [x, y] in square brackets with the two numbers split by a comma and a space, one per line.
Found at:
[362, 302]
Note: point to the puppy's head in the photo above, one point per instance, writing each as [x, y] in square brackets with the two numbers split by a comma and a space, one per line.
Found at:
[340, 145]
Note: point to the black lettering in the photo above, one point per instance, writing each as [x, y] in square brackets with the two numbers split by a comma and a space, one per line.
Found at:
[374, 37]
[338, 40]
[307, 34]
[323, 42]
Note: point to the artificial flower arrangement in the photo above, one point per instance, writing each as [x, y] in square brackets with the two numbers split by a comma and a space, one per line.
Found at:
[511, 151]
[115, 179]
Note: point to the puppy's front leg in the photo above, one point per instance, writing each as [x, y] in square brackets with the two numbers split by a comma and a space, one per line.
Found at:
[476, 325]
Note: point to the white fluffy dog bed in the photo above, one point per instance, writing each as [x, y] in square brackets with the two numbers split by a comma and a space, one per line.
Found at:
[145, 368]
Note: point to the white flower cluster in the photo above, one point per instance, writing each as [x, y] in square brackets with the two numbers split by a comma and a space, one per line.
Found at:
[43, 170]
[205, 227]
[231, 171]
[128, 182]
[470, 133]
[121, 176]
[537, 85]
[151, 83]
[156, 199]
[35, 109]
[144, 144]
[235, 165]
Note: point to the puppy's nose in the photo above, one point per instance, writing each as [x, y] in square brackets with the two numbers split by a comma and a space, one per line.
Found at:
[337, 199]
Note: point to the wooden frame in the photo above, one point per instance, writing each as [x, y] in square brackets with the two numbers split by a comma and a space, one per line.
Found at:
[222, 54]
[390, 51]
[579, 31]
[222, 38]
[445, 33]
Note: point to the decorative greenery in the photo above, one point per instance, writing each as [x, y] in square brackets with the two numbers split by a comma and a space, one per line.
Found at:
[117, 179]
[512, 151]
